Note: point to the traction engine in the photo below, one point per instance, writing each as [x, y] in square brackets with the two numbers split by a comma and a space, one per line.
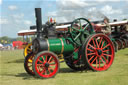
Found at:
[81, 47]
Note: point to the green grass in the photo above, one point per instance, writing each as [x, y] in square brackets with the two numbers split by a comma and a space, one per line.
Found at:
[12, 72]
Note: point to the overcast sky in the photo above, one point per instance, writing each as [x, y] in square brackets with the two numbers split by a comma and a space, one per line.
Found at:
[16, 15]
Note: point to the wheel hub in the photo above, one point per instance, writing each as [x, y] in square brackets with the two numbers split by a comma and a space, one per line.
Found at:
[99, 52]
[46, 65]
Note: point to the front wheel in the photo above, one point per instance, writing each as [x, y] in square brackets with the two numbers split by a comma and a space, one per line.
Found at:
[46, 64]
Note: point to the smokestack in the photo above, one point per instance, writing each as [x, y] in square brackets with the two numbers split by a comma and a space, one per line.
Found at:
[38, 22]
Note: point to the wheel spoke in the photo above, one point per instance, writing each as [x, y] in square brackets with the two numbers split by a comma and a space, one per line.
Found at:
[93, 43]
[49, 59]
[52, 61]
[97, 43]
[102, 61]
[100, 41]
[75, 29]
[49, 71]
[90, 58]
[38, 67]
[91, 54]
[91, 46]
[40, 61]
[77, 36]
[86, 26]
[51, 68]
[46, 58]
[43, 71]
[39, 64]
[107, 54]
[53, 64]
[105, 50]
[106, 46]
[105, 59]
[29, 62]
[43, 58]
[29, 49]
[94, 60]
[86, 33]
[102, 44]
[90, 50]
[30, 66]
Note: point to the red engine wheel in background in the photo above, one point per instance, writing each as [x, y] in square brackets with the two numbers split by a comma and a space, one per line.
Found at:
[120, 44]
[124, 43]
[115, 46]
[127, 43]
[98, 52]
[46, 64]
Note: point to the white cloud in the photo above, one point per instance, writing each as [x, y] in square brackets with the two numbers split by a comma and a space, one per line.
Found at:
[109, 10]
[18, 16]
[0, 2]
[61, 19]
[92, 9]
[52, 14]
[96, 0]
[27, 22]
[73, 4]
[3, 21]
[68, 10]
[12, 7]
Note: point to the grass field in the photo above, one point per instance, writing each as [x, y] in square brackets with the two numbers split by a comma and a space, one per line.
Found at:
[12, 72]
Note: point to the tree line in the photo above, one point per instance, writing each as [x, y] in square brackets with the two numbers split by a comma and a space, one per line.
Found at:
[8, 40]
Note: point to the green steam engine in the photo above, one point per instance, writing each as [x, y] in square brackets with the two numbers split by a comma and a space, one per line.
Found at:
[81, 48]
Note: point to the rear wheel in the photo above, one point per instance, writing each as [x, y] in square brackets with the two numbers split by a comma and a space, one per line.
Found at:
[46, 64]
[28, 49]
[98, 52]
[124, 43]
[28, 63]
[115, 46]
[120, 44]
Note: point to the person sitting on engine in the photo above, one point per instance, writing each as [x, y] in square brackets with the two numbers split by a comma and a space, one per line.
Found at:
[107, 29]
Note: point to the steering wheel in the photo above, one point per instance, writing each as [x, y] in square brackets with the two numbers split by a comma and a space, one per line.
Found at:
[80, 29]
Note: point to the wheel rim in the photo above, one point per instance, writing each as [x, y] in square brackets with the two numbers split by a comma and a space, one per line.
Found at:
[115, 46]
[29, 64]
[27, 49]
[46, 65]
[127, 43]
[124, 43]
[119, 44]
[99, 52]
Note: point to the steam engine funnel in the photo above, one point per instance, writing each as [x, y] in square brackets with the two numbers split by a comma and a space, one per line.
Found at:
[38, 22]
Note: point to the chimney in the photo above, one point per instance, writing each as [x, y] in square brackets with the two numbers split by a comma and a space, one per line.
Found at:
[38, 22]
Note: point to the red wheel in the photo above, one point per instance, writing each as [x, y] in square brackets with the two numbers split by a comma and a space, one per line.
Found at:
[28, 63]
[127, 43]
[46, 64]
[115, 46]
[124, 43]
[98, 52]
[120, 44]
